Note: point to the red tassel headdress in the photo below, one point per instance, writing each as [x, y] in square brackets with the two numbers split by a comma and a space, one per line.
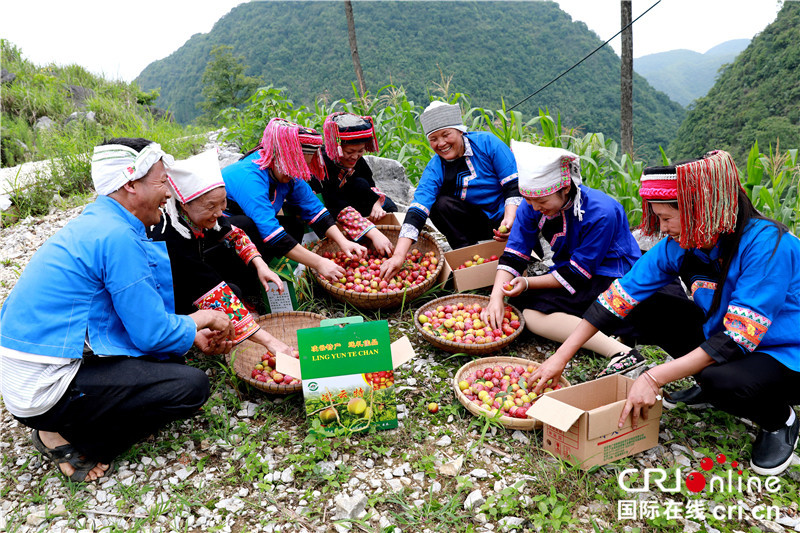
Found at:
[346, 128]
[706, 191]
[283, 146]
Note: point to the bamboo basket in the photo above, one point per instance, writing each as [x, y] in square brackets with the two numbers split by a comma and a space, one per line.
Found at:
[460, 347]
[283, 326]
[424, 244]
[525, 424]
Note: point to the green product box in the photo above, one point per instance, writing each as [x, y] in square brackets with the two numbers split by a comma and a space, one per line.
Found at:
[347, 368]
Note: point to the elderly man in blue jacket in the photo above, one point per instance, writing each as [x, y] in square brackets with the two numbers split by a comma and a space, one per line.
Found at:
[90, 347]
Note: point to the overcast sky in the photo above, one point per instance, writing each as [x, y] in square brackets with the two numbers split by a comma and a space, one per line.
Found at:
[119, 39]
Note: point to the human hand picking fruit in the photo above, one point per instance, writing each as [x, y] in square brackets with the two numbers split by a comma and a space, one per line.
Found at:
[548, 372]
[502, 233]
[515, 287]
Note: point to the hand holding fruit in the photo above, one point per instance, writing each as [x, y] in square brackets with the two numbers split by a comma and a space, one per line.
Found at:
[494, 312]
[515, 287]
[547, 374]
[330, 270]
[351, 249]
[380, 242]
[391, 267]
[212, 342]
[502, 233]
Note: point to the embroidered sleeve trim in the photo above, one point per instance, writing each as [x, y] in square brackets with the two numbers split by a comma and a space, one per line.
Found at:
[580, 269]
[316, 217]
[563, 282]
[274, 234]
[467, 179]
[509, 269]
[514, 200]
[745, 327]
[702, 284]
[381, 196]
[421, 207]
[518, 254]
[244, 247]
[353, 224]
[616, 300]
[507, 179]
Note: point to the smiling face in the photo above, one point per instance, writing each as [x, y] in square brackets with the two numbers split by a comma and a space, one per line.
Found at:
[351, 153]
[551, 204]
[669, 219]
[152, 192]
[204, 210]
[447, 143]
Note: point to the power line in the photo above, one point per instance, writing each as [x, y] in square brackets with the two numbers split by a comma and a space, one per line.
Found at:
[582, 60]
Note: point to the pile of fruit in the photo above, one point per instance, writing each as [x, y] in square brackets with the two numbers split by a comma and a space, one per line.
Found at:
[476, 260]
[379, 380]
[508, 389]
[364, 275]
[265, 370]
[462, 323]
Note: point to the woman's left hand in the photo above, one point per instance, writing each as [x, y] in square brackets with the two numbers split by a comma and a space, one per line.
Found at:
[265, 275]
[507, 223]
[641, 397]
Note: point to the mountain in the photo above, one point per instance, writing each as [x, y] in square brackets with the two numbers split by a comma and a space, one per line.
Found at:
[685, 75]
[494, 51]
[755, 98]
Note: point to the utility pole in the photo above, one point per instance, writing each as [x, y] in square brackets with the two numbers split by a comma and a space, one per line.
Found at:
[351, 33]
[626, 80]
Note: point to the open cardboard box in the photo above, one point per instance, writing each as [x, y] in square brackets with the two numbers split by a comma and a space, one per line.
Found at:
[473, 277]
[344, 361]
[580, 422]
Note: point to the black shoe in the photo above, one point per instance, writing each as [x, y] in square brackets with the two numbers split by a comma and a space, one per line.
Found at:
[773, 450]
[692, 397]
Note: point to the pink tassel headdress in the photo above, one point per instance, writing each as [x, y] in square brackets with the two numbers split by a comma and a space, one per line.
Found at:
[283, 146]
[347, 128]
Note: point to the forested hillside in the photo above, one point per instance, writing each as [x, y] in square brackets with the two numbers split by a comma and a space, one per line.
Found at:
[757, 98]
[492, 50]
[685, 75]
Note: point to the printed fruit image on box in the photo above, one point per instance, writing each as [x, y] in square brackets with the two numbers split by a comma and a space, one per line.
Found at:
[348, 378]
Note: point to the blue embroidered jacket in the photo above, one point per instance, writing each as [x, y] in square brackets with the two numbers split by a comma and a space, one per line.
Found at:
[260, 196]
[760, 305]
[599, 244]
[98, 276]
[492, 178]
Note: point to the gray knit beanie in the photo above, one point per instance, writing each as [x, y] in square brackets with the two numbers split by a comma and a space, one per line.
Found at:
[440, 115]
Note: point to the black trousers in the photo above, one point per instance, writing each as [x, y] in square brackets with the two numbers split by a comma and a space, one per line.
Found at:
[114, 402]
[755, 386]
[461, 223]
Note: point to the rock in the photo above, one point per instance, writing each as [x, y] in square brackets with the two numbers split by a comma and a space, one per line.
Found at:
[326, 468]
[690, 526]
[508, 523]
[43, 123]
[36, 518]
[480, 518]
[234, 505]
[395, 484]
[248, 410]
[474, 499]
[453, 468]
[353, 508]
[159, 114]
[79, 94]
[520, 437]
[80, 115]
[444, 441]
[287, 476]
[390, 178]
[479, 473]
[6, 76]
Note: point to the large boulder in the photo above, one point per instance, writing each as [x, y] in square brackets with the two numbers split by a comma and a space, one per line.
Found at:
[81, 116]
[79, 94]
[43, 123]
[390, 178]
[6, 76]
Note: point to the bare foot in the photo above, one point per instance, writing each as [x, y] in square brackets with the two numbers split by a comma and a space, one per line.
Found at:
[54, 440]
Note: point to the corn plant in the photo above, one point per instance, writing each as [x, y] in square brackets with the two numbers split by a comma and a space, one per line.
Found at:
[771, 183]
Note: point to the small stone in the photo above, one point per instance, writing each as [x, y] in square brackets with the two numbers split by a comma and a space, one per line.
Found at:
[474, 499]
[353, 508]
[453, 468]
[520, 437]
[479, 473]
[395, 485]
[287, 476]
[444, 441]
[326, 468]
[511, 522]
[480, 518]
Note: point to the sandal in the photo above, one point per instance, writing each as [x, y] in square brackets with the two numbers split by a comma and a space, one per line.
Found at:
[67, 453]
[622, 362]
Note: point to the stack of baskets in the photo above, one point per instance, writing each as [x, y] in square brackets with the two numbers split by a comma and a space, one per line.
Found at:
[283, 326]
[361, 300]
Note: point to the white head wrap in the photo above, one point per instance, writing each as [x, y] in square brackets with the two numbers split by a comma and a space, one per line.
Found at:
[114, 165]
[190, 179]
[544, 171]
[440, 115]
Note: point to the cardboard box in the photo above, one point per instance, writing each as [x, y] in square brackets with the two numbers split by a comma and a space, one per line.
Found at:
[580, 422]
[343, 362]
[473, 277]
[391, 219]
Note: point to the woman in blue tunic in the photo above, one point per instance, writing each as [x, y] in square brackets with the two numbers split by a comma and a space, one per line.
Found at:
[743, 272]
[592, 245]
